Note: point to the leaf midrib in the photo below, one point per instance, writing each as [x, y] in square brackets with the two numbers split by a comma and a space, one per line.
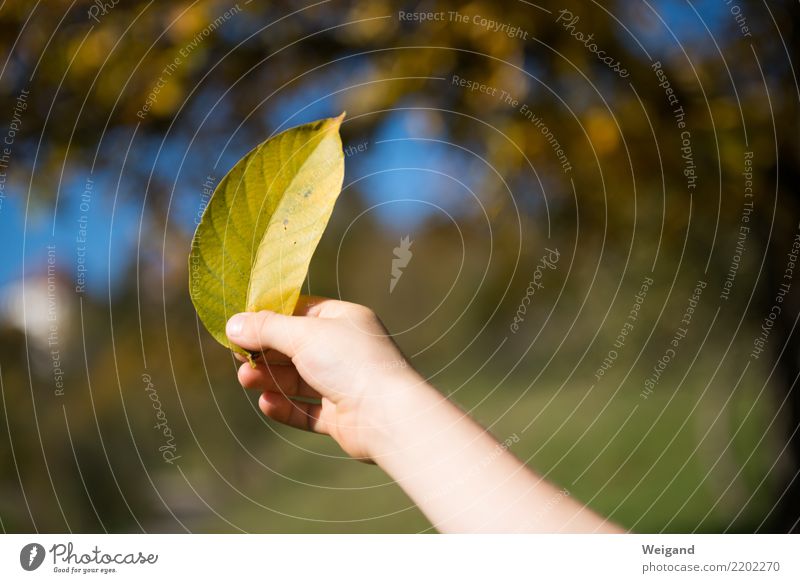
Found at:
[282, 199]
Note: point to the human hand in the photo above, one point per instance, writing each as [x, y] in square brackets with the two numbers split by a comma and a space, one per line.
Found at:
[379, 409]
[335, 352]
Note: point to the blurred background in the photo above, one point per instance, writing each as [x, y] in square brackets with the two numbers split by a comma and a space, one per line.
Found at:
[651, 148]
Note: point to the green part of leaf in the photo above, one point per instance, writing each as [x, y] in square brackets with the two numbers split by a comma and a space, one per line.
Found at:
[254, 243]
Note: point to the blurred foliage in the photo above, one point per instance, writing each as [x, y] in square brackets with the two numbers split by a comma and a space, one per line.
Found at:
[708, 452]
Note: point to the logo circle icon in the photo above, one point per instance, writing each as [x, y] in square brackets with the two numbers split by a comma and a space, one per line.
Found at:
[31, 556]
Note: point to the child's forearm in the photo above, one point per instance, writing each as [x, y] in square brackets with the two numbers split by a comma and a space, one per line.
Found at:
[460, 477]
[464, 480]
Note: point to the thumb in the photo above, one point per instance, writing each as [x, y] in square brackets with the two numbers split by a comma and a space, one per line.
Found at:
[261, 331]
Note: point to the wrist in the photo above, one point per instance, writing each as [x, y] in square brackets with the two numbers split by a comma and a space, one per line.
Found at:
[401, 408]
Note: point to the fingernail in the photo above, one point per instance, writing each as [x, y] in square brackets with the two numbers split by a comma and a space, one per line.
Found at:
[235, 325]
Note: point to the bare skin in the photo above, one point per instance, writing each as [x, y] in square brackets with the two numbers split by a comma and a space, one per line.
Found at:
[380, 410]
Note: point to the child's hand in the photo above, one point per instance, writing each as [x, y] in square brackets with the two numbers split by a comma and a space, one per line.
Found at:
[379, 409]
[330, 350]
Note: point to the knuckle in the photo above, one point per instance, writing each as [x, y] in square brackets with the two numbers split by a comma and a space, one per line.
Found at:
[364, 312]
[260, 326]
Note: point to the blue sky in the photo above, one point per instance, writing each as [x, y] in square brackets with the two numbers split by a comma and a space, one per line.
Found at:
[400, 163]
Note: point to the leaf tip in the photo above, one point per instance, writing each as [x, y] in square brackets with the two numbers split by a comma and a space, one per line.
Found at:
[337, 121]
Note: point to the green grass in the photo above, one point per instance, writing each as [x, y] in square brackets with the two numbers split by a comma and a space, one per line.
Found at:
[670, 462]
